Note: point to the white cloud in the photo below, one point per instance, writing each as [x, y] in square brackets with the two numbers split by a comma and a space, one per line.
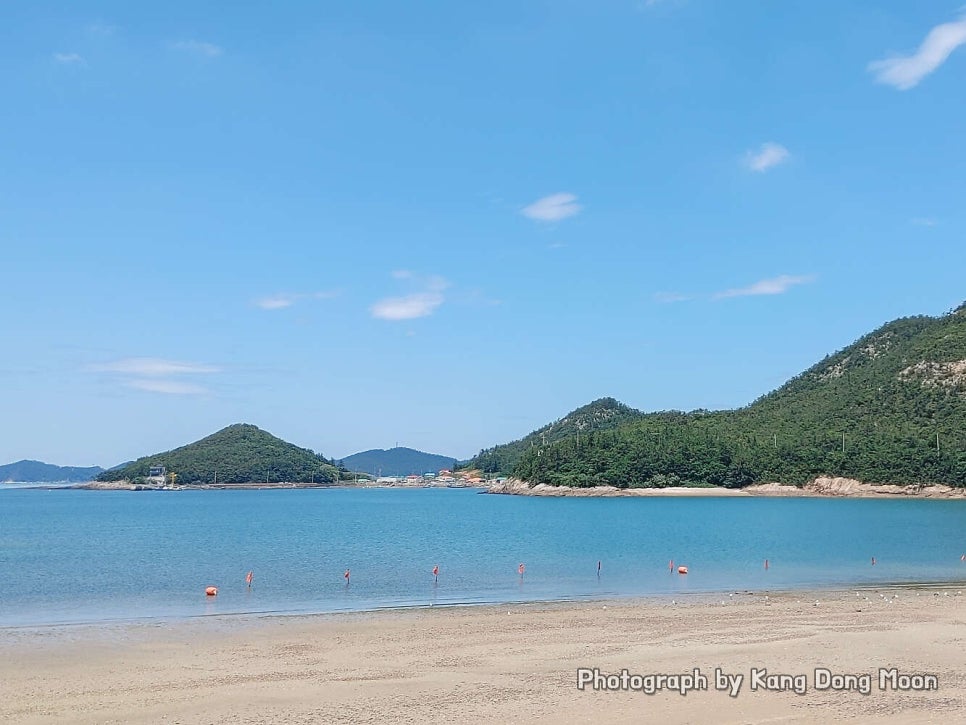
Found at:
[769, 155]
[925, 222]
[287, 299]
[402, 274]
[209, 50]
[156, 375]
[552, 208]
[774, 286]
[153, 367]
[905, 71]
[418, 304]
[101, 29]
[668, 297]
[275, 302]
[69, 58]
[168, 387]
[409, 307]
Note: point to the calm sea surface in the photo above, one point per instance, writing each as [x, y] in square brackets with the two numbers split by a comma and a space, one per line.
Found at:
[81, 556]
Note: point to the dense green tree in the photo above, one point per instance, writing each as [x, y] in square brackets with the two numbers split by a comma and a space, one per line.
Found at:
[236, 454]
[891, 407]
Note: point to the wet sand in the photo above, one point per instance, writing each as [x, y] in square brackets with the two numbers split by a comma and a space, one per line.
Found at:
[511, 663]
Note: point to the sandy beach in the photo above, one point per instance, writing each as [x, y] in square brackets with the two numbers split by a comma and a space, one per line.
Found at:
[511, 663]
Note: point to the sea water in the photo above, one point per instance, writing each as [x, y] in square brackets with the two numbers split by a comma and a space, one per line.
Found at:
[71, 555]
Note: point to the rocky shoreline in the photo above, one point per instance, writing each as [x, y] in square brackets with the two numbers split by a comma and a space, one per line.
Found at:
[130, 486]
[820, 487]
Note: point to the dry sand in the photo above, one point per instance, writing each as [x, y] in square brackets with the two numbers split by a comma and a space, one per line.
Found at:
[496, 663]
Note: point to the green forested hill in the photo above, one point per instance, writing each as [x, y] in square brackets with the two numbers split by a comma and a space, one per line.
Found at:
[398, 461]
[237, 454]
[36, 471]
[602, 414]
[891, 407]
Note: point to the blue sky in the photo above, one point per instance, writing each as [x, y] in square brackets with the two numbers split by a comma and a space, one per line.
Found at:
[445, 224]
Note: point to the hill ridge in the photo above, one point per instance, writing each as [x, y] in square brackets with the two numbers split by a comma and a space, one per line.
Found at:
[397, 461]
[888, 408]
[33, 471]
[238, 453]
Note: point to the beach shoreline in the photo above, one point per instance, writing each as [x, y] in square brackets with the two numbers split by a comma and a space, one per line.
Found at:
[820, 487]
[497, 663]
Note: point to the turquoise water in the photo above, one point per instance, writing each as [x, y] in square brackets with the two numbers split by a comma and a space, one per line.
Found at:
[79, 556]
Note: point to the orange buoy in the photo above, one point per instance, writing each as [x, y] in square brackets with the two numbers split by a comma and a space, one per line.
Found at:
[211, 591]
[682, 570]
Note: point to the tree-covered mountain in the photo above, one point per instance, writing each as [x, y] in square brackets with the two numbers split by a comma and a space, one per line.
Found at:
[890, 407]
[602, 414]
[237, 454]
[397, 461]
[38, 472]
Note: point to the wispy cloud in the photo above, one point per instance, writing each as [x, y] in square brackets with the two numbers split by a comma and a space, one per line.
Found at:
[100, 28]
[417, 304]
[156, 375]
[774, 286]
[905, 71]
[552, 208]
[198, 47]
[669, 297]
[925, 222]
[408, 307]
[167, 387]
[69, 58]
[287, 299]
[402, 274]
[769, 155]
[153, 367]
[275, 302]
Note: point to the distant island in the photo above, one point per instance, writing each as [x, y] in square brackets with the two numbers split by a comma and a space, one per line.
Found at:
[888, 409]
[39, 472]
[397, 461]
[238, 454]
